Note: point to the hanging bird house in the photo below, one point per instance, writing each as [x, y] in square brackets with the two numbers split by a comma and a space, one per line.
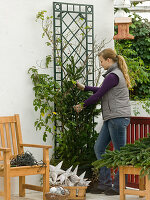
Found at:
[123, 28]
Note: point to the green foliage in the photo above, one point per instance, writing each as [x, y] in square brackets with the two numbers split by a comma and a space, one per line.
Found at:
[139, 73]
[137, 155]
[140, 28]
[76, 135]
[137, 55]
[44, 96]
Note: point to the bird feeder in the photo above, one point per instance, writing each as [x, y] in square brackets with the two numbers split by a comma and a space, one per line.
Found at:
[123, 28]
[122, 20]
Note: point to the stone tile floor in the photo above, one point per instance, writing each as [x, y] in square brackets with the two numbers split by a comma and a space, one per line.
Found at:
[38, 196]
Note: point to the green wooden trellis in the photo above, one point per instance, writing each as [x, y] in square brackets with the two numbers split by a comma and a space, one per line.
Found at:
[73, 28]
[66, 17]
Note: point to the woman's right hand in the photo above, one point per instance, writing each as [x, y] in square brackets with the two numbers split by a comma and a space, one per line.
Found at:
[80, 86]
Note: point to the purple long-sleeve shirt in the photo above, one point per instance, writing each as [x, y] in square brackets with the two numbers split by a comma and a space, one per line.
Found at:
[109, 82]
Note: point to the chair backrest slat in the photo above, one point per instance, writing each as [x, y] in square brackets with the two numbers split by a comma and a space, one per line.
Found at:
[1, 156]
[18, 134]
[10, 134]
[12, 125]
[2, 139]
[2, 135]
[8, 140]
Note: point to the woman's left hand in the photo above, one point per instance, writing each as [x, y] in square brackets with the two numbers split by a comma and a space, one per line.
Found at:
[78, 108]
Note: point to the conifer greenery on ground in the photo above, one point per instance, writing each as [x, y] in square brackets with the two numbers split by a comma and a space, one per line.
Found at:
[137, 155]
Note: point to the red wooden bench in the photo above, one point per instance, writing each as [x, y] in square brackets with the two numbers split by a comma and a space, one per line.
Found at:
[138, 128]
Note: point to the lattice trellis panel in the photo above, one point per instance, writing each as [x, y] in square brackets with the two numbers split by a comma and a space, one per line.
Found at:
[73, 36]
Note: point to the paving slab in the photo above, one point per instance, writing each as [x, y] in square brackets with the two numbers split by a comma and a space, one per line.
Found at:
[89, 196]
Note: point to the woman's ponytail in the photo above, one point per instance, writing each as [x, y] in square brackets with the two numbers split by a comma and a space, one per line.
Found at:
[123, 67]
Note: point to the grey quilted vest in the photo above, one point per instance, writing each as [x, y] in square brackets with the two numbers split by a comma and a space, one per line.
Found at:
[115, 103]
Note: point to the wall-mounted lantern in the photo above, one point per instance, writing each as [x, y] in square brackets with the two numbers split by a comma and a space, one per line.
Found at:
[122, 20]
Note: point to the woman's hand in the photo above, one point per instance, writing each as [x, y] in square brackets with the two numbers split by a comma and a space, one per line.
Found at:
[78, 108]
[80, 86]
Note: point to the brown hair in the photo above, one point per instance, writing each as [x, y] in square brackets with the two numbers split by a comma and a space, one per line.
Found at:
[110, 53]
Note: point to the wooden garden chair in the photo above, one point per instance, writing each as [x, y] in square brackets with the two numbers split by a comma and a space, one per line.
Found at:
[10, 145]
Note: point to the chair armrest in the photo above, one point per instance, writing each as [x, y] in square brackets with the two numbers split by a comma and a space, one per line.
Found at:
[5, 149]
[36, 146]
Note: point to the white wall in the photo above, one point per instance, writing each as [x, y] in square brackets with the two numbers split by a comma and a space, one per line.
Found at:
[137, 109]
[144, 14]
[21, 46]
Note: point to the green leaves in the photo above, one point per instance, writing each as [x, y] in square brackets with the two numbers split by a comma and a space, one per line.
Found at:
[139, 73]
[40, 15]
[44, 94]
[74, 132]
[44, 136]
[48, 60]
[73, 72]
[54, 102]
[137, 56]
[137, 154]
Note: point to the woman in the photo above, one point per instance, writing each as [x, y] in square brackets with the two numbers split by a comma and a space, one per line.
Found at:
[116, 111]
